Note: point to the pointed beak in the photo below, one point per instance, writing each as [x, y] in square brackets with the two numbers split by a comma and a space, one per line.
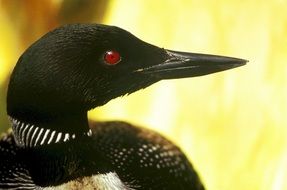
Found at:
[183, 64]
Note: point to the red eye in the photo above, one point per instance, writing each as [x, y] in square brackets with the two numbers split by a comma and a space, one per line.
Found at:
[112, 57]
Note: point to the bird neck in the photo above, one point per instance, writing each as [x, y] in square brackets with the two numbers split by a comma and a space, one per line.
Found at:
[61, 155]
[37, 133]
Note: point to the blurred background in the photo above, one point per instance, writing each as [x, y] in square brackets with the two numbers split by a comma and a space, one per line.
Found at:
[232, 125]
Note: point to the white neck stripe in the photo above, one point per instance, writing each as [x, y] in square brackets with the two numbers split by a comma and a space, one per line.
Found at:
[28, 135]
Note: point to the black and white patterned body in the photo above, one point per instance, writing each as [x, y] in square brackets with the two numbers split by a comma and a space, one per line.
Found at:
[134, 158]
[14, 173]
[143, 158]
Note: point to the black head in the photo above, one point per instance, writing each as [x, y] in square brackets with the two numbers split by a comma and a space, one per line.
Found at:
[81, 66]
[68, 69]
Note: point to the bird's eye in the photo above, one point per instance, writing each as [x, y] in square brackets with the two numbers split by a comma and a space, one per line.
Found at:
[112, 57]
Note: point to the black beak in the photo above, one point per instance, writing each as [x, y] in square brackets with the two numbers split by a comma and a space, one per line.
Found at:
[183, 64]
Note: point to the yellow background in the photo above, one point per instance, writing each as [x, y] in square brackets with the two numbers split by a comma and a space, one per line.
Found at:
[232, 125]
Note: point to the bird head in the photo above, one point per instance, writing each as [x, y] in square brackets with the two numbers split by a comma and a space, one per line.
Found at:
[78, 67]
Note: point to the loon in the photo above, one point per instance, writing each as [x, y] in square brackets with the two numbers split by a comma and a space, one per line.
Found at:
[75, 68]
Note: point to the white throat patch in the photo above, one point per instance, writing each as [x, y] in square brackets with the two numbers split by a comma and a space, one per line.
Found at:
[108, 181]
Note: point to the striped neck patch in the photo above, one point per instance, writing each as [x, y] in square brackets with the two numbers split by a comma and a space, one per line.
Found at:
[29, 135]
